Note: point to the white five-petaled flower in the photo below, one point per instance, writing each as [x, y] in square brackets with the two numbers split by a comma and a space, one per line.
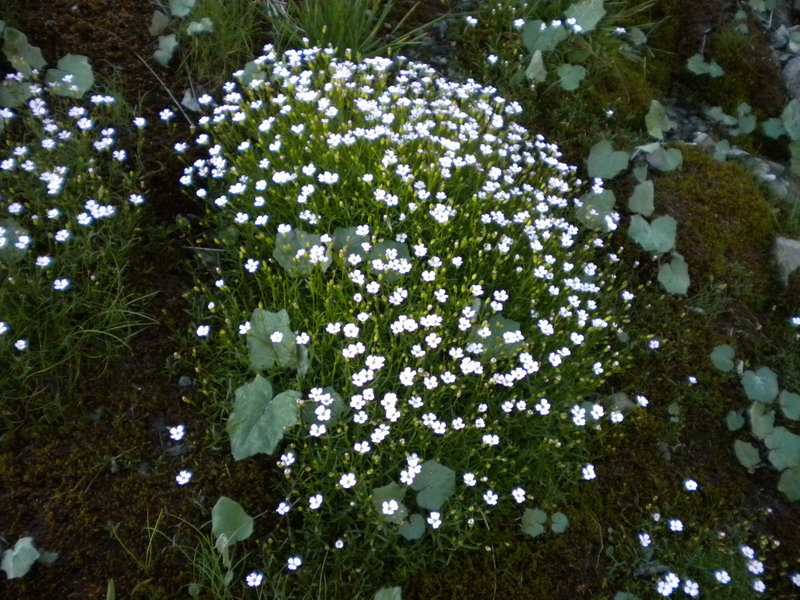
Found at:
[519, 495]
[315, 501]
[177, 432]
[690, 485]
[183, 477]
[490, 498]
[347, 480]
[294, 562]
[203, 330]
[588, 472]
[254, 579]
[61, 284]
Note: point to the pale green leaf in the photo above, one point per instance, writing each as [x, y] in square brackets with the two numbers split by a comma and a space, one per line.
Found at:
[773, 128]
[180, 8]
[258, 421]
[414, 528]
[640, 174]
[641, 201]
[790, 405]
[533, 520]
[657, 121]
[389, 492]
[229, 519]
[536, 36]
[22, 56]
[784, 448]
[722, 357]
[560, 522]
[167, 44]
[761, 385]
[697, 64]
[721, 150]
[77, 69]
[434, 484]
[14, 93]
[789, 484]
[265, 326]
[382, 253]
[571, 76]
[665, 159]
[18, 561]
[674, 276]
[657, 237]
[762, 422]
[747, 120]
[495, 346]
[734, 420]
[715, 70]
[158, 23]
[587, 13]
[293, 252]
[393, 593]
[791, 119]
[204, 25]
[746, 453]
[597, 210]
[606, 163]
[536, 70]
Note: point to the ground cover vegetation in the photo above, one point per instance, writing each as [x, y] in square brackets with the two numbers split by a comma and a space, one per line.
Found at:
[287, 314]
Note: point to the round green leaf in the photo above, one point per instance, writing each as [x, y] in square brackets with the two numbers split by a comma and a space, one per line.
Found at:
[229, 519]
[158, 23]
[761, 385]
[657, 237]
[641, 201]
[22, 56]
[571, 76]
[674, 276]
[383, 252]
[258, 421]
[784, 448]
[790, 405]
[606, 163]
[414, 528]
[180, 8]
[538, 36]
[746, 453]
[434, 484]
[533, 520]
[722, 357]
[494, 345]
[791, 119]
[665, 159]
[264, 352]
[395, 492]
[734, 420]
[597, 210]
[293, 252]
[789, 484]
[773, 128]
[204, 25]
[560, 522]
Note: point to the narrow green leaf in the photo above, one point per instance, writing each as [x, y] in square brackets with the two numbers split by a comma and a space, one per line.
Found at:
[536, 70]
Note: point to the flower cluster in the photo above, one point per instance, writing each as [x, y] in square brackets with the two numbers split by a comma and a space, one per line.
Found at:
[428, 246]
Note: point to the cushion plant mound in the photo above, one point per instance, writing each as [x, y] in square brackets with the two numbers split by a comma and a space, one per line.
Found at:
[444, 305]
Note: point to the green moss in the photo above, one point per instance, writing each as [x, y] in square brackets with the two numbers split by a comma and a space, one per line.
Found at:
[725, 223]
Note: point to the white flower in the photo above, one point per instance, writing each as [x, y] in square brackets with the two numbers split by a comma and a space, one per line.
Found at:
[588, 472]
[519, 495]
[347, 480]
[691, 588]
[177, 432]
[294, 562]
[490, 498]
[690, 485]
[722, 576]
[759, 586]
[471, 21]
[276, 337]
[390, 507]
[283, 508]
[747, 552]
[251, 265]
[302, 338]
[203, 330]
[61, 284]
[183, 477]
[21, 345]
[339, 544]
[756, 567]
[315, 501]
[676, 525]
[644, 539]
[254, 579]
[469, 479]
[434, 520]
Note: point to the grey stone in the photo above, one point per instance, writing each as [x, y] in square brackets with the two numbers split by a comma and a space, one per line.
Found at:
[787, 254]
[791, 77]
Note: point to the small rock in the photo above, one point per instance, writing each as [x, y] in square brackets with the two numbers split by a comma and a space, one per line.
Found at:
[787, 254]
[791, 77]
[185, 381]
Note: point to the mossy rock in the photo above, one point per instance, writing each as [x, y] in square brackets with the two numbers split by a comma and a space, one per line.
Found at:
[725, 223]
